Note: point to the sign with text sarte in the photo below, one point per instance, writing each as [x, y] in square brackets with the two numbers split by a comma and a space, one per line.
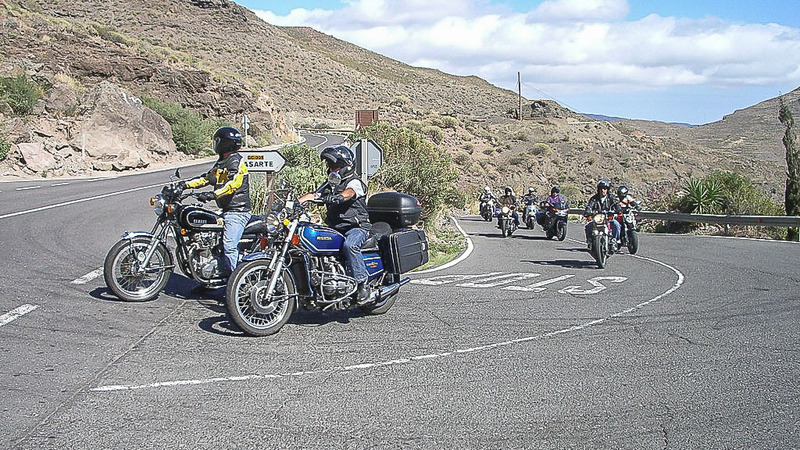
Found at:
[263, 160]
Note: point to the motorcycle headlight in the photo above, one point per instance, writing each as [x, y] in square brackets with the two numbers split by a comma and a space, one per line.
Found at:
[506, 210]
[599, 219]
[158, 202]
[273, 224]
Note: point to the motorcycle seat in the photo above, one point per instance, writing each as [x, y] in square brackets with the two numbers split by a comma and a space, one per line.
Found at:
[256, 225]
[378, 232]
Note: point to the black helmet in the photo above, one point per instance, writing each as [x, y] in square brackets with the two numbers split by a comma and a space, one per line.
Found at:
[227, 139]
[555, 190]
[603, 184]
[622, 191]
[339, 156]
[509, 190]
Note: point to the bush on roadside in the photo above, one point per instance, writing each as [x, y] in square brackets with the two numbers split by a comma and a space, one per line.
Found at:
[20, 93]
[190, 132]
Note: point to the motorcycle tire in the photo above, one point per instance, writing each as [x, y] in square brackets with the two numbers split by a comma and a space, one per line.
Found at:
[633, 242]
[245, 302]
[548, 234]
[136, 288]
[503, 229]
[385, 304]
[600, 250]
[561, 232]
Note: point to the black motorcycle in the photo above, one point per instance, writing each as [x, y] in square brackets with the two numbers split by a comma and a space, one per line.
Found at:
[600, 239]
[306, 268]
[488, 209]
[629, 234]
[555, 220]
[138, 266]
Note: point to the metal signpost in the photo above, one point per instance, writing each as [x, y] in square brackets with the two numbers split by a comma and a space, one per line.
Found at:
[368, 155]
[245, 128]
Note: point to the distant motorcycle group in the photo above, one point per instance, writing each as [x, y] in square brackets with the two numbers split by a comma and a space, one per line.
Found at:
[611, 222]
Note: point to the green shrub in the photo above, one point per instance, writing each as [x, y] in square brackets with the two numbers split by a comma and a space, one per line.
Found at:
[433, 132]
[5, 146]
[412, 164]
[540, 149]
[20, 93]
[190, 132]
[450, 122]
[701, 196]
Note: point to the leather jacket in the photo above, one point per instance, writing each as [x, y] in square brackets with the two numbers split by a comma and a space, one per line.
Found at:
[231, 183]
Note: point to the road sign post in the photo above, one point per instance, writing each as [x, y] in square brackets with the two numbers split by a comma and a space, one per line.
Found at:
[369, 157]
[263, 160]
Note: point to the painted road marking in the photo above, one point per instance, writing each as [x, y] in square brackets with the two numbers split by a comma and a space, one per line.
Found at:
[598, 287]
[28, 188]
[538, 287]
[80, 200]
[88, 277]
[16, 313]
[495, 281]
[445, 279]
[60, 184]
[411, 359]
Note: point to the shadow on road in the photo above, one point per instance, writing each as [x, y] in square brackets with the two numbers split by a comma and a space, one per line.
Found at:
[565, 263]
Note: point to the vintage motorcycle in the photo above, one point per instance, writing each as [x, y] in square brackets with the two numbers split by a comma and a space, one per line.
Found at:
[529, 213]
[139, 265]
[488, 210]
[305, 269]
[600, 238]
[555, 220]
[506, 221]
[629, 235]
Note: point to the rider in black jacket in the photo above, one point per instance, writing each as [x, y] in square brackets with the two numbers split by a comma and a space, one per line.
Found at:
[231, 192]
[603, 203]
[346, 202]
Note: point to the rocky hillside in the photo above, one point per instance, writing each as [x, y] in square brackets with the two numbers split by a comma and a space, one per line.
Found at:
[217, 58]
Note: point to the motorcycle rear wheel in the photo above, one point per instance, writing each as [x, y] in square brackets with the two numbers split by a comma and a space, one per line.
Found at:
[599, 250]
[247, 304]
[633, 242]
[123, 259]
[384, 305]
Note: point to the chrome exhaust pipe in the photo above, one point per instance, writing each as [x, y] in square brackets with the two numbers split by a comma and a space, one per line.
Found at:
[392, 289]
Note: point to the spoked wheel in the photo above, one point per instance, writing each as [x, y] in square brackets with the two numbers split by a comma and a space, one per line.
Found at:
[600, 250]
[633, 242]
[121, 270]
[249, 306]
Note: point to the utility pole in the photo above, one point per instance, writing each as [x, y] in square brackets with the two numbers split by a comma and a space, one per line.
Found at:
[519, 89]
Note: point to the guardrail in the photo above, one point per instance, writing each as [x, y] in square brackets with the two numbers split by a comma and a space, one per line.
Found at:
[763, 221]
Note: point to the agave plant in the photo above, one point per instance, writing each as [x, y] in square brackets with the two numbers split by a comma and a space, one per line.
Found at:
[702, 196]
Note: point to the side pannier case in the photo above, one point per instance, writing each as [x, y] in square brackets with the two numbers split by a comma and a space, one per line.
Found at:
[404, 249]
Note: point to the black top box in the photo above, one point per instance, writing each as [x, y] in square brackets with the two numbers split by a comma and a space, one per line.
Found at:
[397, 209]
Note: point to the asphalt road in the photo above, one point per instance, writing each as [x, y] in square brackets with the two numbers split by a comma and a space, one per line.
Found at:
[692, 343]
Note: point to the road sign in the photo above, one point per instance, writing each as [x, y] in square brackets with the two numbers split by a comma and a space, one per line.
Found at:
[263, 160]
[372, 159]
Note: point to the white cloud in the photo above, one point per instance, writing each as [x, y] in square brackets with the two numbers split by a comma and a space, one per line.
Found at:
[564, 46]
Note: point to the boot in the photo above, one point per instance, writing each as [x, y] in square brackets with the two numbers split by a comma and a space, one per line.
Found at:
[362, 293]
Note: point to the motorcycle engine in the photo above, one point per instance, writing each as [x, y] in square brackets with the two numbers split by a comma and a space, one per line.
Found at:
[204, 253]
[330, 278]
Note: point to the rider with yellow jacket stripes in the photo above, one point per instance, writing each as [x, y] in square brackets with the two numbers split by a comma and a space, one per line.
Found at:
[231, 191]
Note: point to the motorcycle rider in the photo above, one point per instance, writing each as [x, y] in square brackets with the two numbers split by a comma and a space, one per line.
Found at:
[530, 197]
[626, 202]
[231, 191]
[346, 203]
[602, 203]
[485, 197]
[510, 200]
[555, 200]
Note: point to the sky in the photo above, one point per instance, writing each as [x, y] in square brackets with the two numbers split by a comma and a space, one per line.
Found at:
[688, 61]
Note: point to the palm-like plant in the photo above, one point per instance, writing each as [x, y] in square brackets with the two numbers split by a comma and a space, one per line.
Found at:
[702, 196]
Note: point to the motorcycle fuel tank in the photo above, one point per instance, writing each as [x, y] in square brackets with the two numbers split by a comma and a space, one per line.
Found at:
[196, 218]
[321, 240]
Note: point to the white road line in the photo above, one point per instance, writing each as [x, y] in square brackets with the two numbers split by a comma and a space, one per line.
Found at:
[16, 313]
[452, 263]
[88, 277]
[28, 188]
[80, 200]
[411, 359]
[60, 184]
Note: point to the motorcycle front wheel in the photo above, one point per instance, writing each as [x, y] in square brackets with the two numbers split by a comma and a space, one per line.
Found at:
[599, 250]
[633, 242]
[561, 233]
[120, 270]
[248, 304]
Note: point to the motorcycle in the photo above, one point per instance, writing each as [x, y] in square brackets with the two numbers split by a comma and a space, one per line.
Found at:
[139, 265]
[488, 210]
[529, 214]
[600, 239]
[305, 269]
[506, 221]
[555, 220]
[629, 235]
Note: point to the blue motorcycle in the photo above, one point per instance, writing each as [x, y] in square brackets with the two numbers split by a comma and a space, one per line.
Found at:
[305, 268]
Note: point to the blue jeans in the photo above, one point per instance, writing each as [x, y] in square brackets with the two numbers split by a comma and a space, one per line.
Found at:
[232, 229]
[351, 249]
